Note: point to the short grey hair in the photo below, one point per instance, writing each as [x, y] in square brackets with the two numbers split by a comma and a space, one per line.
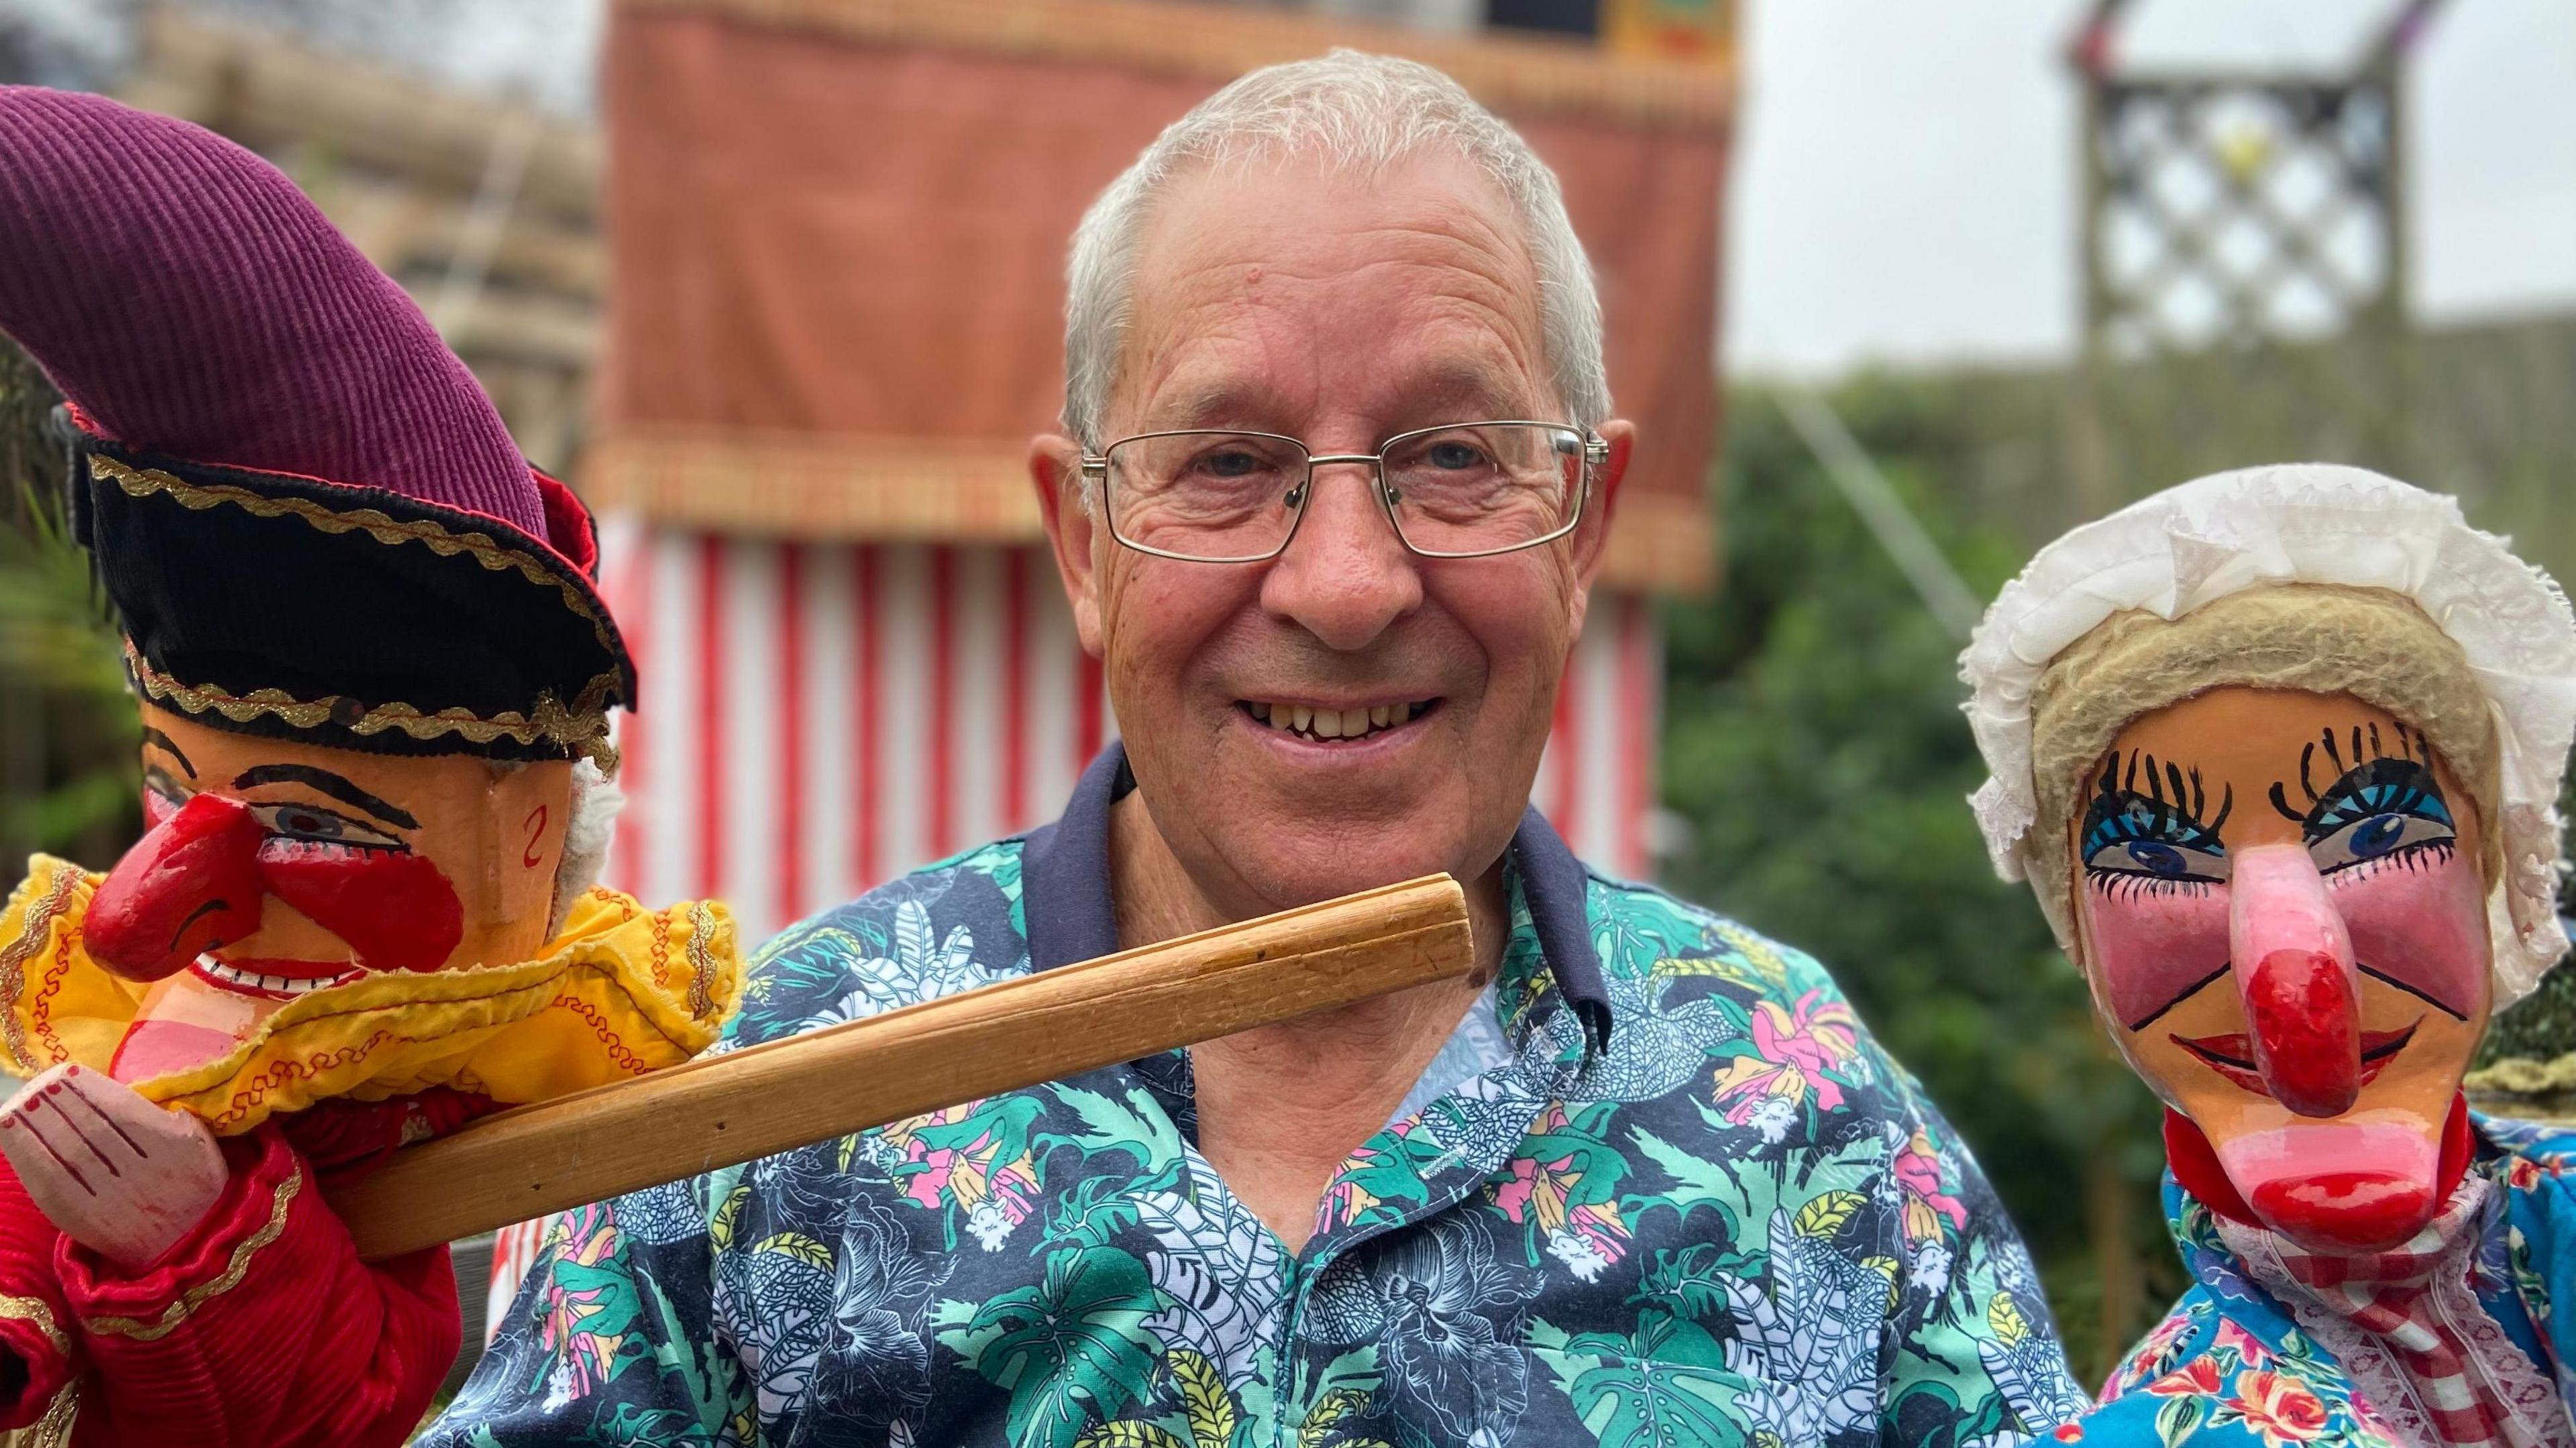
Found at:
[1356, 111]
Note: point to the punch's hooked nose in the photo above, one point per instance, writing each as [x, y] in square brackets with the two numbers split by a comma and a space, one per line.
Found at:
[2294, 972]
[188, 886]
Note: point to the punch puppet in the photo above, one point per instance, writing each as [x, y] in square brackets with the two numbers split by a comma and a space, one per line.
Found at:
[2279, 752]
[374, 680]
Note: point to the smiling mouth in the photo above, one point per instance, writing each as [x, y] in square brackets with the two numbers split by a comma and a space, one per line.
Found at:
[273, 983]
[2232, 1056]
[1335, 726]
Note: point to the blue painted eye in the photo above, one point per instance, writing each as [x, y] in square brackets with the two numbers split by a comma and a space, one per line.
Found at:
[2377, 837]
[2157, 860]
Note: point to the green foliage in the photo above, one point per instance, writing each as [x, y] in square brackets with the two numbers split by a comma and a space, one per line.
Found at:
[67, 726]
[1814, 745]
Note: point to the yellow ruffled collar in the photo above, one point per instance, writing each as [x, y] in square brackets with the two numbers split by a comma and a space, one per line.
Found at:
[621, 991]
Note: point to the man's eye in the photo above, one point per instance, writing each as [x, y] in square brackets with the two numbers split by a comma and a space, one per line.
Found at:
[2377, 838]
[2157, 860]
[1455, 456]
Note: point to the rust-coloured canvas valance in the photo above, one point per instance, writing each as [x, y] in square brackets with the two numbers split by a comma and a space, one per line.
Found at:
[839, 231]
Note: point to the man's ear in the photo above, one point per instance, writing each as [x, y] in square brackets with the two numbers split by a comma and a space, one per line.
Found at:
[1055, 470]
[1592, 537]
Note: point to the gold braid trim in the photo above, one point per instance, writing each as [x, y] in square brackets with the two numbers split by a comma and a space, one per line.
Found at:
[583, 727]
[195, 1297]
[35, 934]
[29, 1309]
[54, 1430]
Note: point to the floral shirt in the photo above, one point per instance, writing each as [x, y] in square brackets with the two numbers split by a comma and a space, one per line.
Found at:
[1696, 1206]
[2232, 1368]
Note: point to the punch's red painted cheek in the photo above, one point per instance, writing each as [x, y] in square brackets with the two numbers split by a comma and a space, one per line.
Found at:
[393, 909]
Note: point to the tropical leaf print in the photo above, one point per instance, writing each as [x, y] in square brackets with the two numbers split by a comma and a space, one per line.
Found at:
[1332, 1412]
[1134, 1128]
[720, 1226]
[1691, 1283]
[1205, 1400]
[1634, 1393]
[1562, 1189]
[1220, 1275]
[587, 1307]
[1811, 1341]
[1697, 1181]
[804, 1249]
[1069, 1350]
[1130, 1434]
[775, 1304]
[1444, 1290]
[2026, 1368]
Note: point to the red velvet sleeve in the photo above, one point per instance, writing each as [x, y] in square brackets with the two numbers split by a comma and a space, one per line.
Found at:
[37, 1356]
[262, 1327]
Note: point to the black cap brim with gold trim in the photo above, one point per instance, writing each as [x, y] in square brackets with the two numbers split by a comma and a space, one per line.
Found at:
[352, 617]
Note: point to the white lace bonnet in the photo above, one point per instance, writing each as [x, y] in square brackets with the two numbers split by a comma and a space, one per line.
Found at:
[2301, 523]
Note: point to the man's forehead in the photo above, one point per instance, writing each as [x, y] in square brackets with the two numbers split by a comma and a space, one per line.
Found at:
[1255, 277]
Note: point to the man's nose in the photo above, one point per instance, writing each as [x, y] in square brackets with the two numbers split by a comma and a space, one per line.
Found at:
[2294, 971]
[190, 885]
[1345, 576]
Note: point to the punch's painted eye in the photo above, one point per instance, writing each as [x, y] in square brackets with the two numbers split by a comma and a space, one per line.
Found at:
[305, 824]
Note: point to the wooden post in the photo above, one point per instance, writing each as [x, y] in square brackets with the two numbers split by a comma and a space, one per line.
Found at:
[722, 1110]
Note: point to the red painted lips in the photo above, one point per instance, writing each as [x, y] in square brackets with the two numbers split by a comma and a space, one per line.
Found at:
[2232, 1056]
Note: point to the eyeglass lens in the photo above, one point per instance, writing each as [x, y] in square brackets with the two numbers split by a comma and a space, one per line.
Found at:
[1475, 488]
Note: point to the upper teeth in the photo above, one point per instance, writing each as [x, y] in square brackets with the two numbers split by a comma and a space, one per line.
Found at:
[215, 969]
[1334, 723]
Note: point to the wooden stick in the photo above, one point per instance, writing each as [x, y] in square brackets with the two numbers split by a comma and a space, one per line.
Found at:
[722, 1110]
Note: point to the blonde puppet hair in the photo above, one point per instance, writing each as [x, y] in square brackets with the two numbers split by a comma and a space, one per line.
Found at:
[2313, 638]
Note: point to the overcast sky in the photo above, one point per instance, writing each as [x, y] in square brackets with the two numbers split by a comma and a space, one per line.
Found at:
[1906, 173]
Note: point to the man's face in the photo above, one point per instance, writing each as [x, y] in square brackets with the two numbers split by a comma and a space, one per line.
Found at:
[270, 869]
[2284, 922]
[1340, 311]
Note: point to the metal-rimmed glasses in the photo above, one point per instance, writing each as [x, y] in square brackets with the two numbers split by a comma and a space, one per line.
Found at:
[1464, 490]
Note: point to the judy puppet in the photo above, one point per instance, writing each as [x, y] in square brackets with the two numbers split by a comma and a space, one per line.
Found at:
[374, 680]
[2279, 752]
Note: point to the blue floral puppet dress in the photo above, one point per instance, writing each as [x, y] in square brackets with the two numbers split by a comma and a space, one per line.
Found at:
[2254, 1354]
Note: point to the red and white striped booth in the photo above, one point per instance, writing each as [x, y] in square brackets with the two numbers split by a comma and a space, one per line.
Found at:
[819, 716]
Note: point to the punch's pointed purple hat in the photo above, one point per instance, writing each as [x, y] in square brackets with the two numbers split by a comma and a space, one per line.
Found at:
[310, 519]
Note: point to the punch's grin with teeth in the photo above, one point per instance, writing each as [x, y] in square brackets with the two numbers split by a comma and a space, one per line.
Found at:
[275, 983]
[1310, 723]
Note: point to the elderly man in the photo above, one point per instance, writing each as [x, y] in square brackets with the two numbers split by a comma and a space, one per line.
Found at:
[1339, 467]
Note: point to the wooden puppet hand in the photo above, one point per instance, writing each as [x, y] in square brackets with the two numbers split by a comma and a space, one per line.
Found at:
[115, 1173]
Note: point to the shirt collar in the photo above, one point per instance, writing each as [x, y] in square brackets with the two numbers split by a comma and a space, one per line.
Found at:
[1064, 891]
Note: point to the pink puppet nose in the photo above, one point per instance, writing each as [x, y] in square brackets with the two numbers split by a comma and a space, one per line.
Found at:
[189, 886]
[2294, 971]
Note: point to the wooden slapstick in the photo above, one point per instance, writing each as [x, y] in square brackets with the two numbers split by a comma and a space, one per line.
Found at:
[722, 1110]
